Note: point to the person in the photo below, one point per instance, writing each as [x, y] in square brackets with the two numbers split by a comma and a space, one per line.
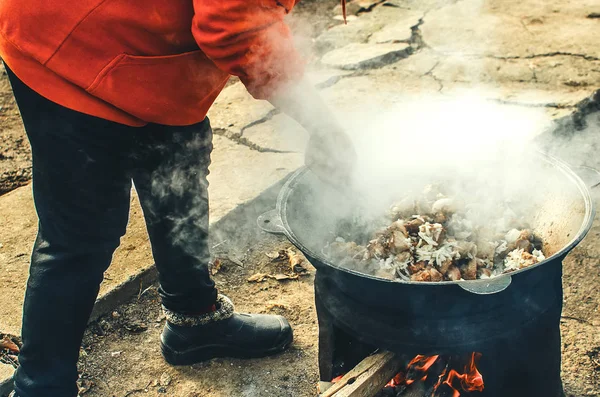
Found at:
[114, 93]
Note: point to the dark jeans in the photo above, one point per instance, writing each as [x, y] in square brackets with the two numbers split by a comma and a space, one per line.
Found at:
[83, 169]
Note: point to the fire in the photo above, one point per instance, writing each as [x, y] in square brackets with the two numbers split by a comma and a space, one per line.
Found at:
[471, 380]
[418, 367]
[449, 382]
[424, 362]
[396, 380]
[337, 379]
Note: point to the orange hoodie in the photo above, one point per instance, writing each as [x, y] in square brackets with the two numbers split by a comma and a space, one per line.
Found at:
[159, 61]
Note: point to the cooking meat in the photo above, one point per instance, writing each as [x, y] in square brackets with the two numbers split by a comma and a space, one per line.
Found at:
[453, 273]
[413, 225]
[400, 242]
[444, 205]
[433, 238]
[428, 274]
[469, 270]
[484, 273]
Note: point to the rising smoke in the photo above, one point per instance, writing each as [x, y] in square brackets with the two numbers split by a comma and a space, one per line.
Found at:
[481, 149]
[423, 139]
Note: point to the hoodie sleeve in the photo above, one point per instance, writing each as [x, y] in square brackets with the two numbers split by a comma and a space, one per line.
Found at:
[249, 39]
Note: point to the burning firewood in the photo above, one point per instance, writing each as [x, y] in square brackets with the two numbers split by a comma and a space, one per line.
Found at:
[367, 378]
[435, 376]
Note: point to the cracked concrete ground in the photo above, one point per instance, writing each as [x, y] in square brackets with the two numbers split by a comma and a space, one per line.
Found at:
[530, 53]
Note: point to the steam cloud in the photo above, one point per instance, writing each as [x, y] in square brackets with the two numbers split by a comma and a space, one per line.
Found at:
[424, 138]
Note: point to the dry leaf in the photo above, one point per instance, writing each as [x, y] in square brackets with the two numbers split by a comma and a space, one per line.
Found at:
[260, 277]
[8, 344]
[216, 266]
[85, 385]
[281, 277]
[296, 261]
[272, 255]
[257, 278]
[280, 255]
[276, 306]
[165, 379]
[135, 326]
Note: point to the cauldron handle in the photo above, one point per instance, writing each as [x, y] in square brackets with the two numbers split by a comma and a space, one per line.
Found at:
[488, 286]
[271, 222]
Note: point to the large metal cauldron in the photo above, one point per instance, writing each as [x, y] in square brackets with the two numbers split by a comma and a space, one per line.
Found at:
[562, 214]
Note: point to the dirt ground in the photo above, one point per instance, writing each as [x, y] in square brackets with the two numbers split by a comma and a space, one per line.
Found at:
[121, 356]
[119, 359]
[15, 154]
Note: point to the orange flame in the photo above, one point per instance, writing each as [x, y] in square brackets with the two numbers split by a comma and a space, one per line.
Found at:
[417, 370]
[396, 380]
[424, 362]
[441, 378]
[337, 379]
[420, 364]
[471, 380]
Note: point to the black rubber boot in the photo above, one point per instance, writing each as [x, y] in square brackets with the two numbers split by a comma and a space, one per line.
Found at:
[187, 340]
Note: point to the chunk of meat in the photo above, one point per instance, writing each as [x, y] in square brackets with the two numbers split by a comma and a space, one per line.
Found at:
[469, 270]
[399, 227]
[416, 268]
[524, 245]
[413, 225]
[422, 275]
[428, 274]
[435, 275]
[440, 217]
[376, 248]
[404, 257]
[400, 243]
[453, 273]
[446, 265]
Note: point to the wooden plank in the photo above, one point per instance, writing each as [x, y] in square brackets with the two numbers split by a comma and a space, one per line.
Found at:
[324, 386]
[368, 377]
